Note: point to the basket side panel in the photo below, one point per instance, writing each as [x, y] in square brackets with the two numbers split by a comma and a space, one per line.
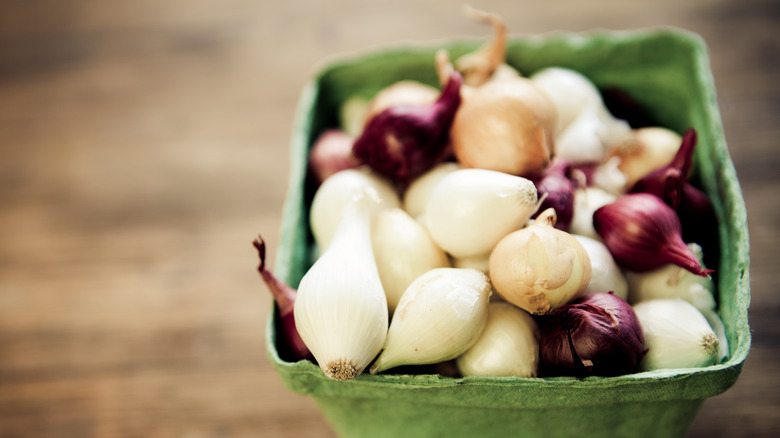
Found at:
[360, 418]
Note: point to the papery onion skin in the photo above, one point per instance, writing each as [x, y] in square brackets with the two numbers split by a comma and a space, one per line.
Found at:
[643, 233]
[478, 67]
[596, 335]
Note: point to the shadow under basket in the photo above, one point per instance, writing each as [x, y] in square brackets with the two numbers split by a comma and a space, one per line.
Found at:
[666, 71]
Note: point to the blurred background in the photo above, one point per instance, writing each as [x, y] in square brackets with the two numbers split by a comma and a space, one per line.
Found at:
[144, 144]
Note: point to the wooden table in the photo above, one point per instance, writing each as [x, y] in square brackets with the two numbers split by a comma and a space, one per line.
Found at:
[144, 144]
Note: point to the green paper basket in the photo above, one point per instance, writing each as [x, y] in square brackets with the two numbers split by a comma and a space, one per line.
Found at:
[667, 71]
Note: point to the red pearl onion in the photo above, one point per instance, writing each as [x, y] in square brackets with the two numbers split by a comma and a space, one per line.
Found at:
[284, 296]
[597, 334]
[623, 106]
[693, 207]
[404, 141]
[330, 153]
[643, 233]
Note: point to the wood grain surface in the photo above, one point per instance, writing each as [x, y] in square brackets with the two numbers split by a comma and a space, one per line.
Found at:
[144, 144]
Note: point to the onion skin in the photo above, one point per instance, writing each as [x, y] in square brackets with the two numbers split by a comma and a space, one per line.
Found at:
[480, 66]
[596, 335]
[643, 233]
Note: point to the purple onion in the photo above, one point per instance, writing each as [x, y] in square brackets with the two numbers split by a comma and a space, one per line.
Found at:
[699, 222]
[668, 182]
[586, 170]
[284, 296]
[693, 207]
[404, 141]
[558, 189]
[331, 153]
[623, 106]
[596, 335]
[643, 233]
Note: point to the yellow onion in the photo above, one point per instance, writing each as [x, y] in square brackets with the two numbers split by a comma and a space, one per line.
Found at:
[504, 125]
[540, 268]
